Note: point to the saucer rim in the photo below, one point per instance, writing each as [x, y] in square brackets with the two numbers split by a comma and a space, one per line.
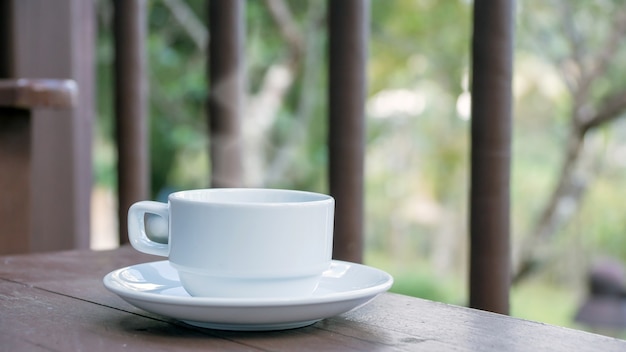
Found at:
[383, 285]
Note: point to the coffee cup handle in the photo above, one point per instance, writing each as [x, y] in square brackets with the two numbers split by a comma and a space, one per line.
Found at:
[137, 227]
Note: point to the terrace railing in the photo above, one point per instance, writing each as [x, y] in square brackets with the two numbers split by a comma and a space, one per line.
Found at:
[56, 40]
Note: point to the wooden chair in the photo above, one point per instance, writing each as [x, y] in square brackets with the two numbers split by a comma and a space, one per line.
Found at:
[18, 98]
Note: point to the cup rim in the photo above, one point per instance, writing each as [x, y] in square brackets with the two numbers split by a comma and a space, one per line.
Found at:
[310, 197]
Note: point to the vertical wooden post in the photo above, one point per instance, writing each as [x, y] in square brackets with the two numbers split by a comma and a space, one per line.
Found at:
[226, 88]
[131, 103]
[348, 22]
[492, 65]
[55, 39]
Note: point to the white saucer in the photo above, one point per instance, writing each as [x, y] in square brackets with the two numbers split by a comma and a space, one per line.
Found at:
[155, 287]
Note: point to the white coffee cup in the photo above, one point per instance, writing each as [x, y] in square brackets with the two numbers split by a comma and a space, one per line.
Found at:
[242, 242]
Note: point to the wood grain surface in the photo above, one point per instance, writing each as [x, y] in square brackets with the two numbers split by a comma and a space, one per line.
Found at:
[57, 302]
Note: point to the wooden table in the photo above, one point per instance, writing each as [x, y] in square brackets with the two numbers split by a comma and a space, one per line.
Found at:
[57, 302]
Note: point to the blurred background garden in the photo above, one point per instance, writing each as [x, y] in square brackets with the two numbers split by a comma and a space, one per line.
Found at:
[569, 140]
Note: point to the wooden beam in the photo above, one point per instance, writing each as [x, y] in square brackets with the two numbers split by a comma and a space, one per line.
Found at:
[226, 89]
[55, 40]
[38, 93]
[131, 107]
[348, 22]
[492, 67]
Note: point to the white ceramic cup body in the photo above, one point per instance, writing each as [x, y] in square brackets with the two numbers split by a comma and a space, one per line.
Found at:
[242, 242]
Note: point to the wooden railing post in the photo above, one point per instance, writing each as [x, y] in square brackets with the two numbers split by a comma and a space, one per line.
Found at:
[348, 22]
[131, 105]
[492, 62]
[55, 40]
[226, 89]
